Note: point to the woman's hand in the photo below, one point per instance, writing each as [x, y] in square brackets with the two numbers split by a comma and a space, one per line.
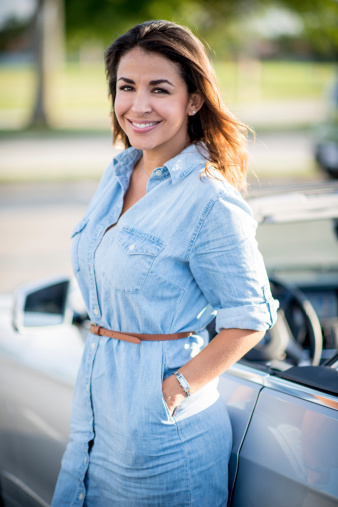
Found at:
[223, 351]
[173, 393]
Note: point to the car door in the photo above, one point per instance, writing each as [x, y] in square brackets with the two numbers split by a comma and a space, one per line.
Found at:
[240, 391]
[38, 367]
[289, 455]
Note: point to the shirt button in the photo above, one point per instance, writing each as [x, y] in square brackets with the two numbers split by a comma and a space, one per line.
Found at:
[96, 311]
[131, 247]
[80, 496]
[158, 172]
[91, 270]
[85, 461]
[87, 386]
[93, 345]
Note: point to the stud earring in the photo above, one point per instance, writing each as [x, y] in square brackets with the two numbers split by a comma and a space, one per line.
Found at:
[194, 112]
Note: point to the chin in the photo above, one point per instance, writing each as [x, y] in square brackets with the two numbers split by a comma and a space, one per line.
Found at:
[141, 145]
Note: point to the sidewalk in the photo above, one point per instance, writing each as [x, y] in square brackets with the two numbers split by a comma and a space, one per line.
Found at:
[55, 158]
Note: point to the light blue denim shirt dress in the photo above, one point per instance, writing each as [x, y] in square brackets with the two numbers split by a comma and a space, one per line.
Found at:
[184, 251]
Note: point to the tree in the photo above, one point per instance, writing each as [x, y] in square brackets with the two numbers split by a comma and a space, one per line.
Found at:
[48, 34]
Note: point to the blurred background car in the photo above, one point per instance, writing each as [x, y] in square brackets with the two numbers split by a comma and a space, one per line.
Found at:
[280, 397]
[326, 135]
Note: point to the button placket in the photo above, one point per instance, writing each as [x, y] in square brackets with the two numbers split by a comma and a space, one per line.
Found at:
[93, 299]
[157, 177]
[111, 219]
[93, 342]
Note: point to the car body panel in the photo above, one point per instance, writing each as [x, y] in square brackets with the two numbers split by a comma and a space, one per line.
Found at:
[37, 376]
[240, 396]
[291, 447]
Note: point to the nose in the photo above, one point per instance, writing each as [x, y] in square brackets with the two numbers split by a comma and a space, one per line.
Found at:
[141, 102]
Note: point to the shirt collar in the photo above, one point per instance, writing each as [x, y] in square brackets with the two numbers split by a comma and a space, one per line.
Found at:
[124, 164]
[184, 163]
[179, 167]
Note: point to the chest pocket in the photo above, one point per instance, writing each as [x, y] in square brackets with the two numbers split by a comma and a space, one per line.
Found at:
[76, 237]
[132, 259]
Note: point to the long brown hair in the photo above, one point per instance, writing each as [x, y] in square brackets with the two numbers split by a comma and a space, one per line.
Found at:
[224, 136]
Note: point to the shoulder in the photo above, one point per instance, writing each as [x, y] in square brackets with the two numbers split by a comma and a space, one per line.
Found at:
[225, 216]
[214, 191]
[210, 186]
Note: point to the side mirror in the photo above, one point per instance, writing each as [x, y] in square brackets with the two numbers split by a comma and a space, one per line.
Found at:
[42, 304]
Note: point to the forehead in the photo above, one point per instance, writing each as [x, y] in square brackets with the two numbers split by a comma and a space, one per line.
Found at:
[149, 65]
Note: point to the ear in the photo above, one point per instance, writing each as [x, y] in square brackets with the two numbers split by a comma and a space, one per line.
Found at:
[196, 101]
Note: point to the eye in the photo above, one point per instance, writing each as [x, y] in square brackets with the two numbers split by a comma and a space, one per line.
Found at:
[161, 91]
[126, 88]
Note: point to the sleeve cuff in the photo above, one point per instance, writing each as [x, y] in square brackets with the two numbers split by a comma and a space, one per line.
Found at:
[256, 317]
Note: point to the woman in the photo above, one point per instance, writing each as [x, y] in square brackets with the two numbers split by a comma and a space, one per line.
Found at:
[166, 240]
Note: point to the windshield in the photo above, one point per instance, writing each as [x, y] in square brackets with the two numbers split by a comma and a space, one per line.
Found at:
[303, 252]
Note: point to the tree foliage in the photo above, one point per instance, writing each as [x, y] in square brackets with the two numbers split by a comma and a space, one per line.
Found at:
[219, 21]
[320, 20]
[11, 33]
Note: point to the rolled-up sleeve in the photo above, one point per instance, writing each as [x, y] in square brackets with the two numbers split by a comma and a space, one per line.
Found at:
[228, 267]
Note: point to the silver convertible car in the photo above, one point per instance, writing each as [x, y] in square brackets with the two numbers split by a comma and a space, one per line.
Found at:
[282, 397]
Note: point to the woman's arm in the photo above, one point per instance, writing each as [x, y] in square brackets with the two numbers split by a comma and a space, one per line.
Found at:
[223, 351]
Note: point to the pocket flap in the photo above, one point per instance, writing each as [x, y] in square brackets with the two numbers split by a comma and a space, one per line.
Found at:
[80, 226]
[135, 242]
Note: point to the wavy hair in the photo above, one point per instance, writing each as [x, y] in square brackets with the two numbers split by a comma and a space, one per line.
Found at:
[214, 126]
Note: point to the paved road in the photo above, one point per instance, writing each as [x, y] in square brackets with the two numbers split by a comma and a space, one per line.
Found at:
[72, 157]
[36, 219]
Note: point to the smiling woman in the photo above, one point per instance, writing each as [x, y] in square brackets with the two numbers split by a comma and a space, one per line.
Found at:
[166, 241]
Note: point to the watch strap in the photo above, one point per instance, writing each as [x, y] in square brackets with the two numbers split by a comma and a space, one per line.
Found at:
[183, 382]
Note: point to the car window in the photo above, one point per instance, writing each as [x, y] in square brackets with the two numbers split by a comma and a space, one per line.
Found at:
[46, 306]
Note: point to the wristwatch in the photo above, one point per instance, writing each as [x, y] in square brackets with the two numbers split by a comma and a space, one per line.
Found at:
[183, 382]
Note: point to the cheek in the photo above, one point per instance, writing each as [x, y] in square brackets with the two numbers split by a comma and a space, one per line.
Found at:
[120, 105]
[180, 108]
[175, 111]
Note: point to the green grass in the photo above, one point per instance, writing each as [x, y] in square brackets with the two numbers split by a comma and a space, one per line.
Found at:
[16, 87]
[79, 93]
[83, 87]
[274, 80]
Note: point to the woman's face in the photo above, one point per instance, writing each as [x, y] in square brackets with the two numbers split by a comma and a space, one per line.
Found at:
[152, 103]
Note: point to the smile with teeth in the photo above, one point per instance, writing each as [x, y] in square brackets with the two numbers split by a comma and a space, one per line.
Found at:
[144, 125]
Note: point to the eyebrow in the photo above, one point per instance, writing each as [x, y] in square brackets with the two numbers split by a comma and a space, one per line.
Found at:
[152, 83]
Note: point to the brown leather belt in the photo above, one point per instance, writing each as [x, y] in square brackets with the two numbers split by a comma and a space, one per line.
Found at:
[135, 337]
